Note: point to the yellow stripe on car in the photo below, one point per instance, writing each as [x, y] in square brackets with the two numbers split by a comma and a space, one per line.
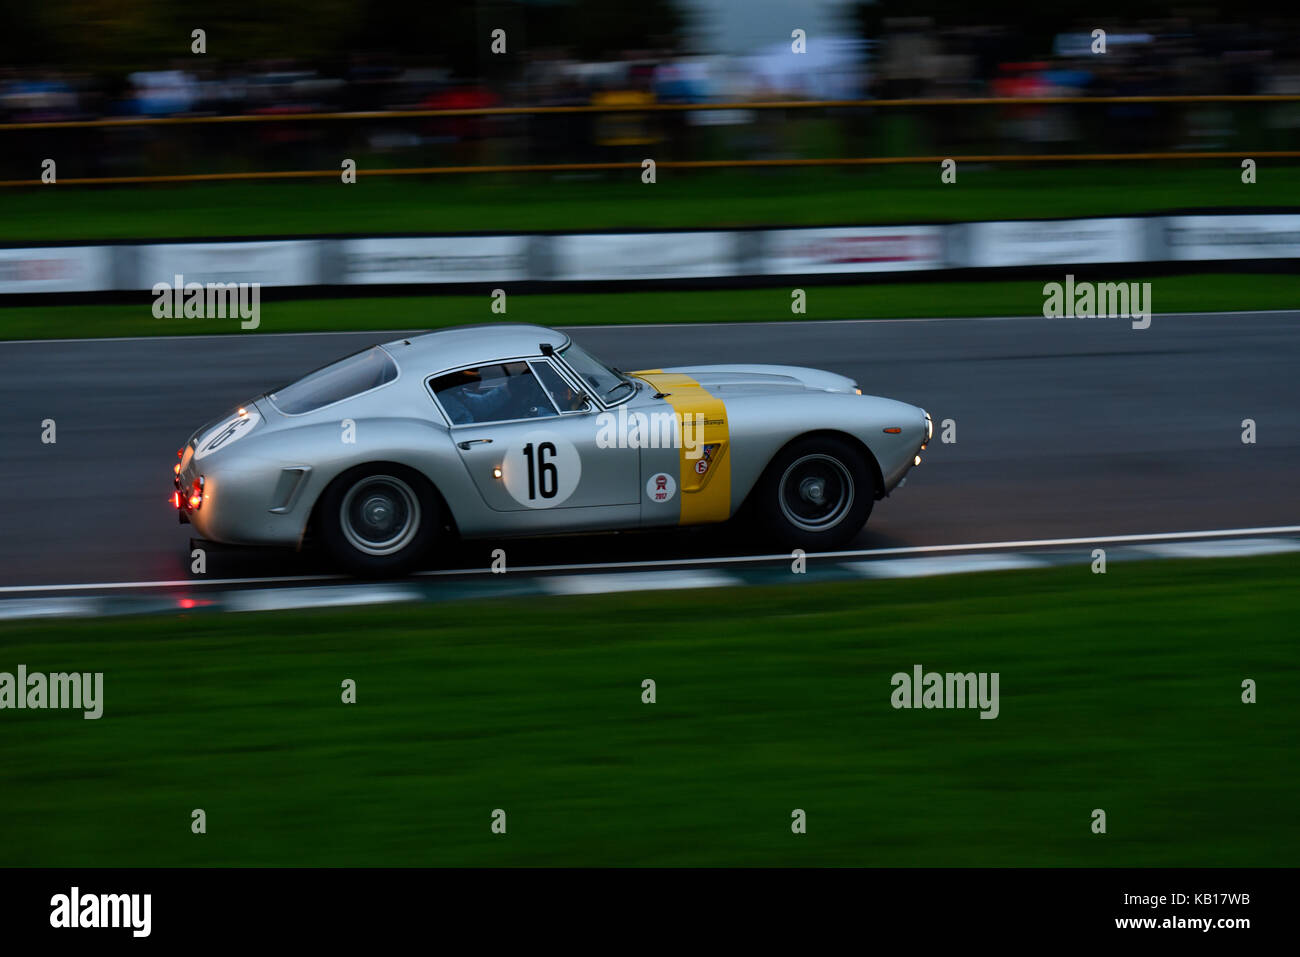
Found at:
[705, 466]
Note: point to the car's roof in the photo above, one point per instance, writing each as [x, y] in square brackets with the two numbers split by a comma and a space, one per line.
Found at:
[468, 345]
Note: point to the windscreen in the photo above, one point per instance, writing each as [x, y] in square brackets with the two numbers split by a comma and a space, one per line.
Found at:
[601, 379]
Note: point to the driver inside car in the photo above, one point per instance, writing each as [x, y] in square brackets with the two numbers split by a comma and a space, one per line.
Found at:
[511, 393]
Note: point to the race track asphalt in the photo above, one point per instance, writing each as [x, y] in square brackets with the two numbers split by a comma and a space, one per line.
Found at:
[1064, 427]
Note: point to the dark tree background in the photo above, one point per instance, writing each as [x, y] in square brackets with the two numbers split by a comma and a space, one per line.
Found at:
[117, 35]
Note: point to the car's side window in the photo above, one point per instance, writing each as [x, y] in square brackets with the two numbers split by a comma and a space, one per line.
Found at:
[496, 393]
[565, 396]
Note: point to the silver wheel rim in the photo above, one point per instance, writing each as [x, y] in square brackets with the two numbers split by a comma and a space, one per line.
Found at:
[380, 515]
[815, 492]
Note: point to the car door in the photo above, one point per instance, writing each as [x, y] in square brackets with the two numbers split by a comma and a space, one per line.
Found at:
[530, 439]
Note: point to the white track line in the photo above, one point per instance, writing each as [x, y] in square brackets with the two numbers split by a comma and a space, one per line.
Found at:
[880, 552]
[173, 583]
[395, 333]
[680, 562]
[634, 581]
[323, 596]
[17, 608]
[954, 565]
[846, 322]
[1233, 548]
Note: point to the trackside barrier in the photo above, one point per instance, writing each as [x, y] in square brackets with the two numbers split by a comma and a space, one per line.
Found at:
[661, 255]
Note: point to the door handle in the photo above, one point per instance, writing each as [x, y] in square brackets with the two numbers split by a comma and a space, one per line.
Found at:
[468, 442]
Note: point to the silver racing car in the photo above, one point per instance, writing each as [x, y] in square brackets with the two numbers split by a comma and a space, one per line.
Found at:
[510, 430]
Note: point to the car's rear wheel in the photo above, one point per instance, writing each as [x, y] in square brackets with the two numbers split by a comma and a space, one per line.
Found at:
[816, 494]
[379, 519]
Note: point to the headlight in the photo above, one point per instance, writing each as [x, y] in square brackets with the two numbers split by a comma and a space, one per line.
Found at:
[929, 429]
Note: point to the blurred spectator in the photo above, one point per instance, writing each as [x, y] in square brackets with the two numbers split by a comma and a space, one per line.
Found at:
[909, 57]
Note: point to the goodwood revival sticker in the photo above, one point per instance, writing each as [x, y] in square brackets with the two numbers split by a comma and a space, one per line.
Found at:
[660, 487]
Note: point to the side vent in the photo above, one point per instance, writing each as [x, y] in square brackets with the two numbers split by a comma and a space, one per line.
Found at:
[287, 488]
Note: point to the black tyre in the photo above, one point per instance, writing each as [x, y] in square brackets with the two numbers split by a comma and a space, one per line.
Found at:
[379, 520]
[816, 494]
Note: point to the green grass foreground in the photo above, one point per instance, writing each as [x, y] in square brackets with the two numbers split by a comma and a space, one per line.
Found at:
[1198, 293]
[679, 199]
[1120, 692]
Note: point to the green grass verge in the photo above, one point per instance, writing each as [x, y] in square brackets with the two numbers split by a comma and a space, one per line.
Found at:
[678, 199]
[1119, 692]
[1206, 292]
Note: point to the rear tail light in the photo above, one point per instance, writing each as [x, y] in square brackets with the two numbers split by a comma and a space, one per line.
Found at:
[191, 501]
[182, 499]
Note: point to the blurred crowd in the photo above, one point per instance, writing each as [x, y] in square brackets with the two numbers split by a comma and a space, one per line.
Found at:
[910, 58]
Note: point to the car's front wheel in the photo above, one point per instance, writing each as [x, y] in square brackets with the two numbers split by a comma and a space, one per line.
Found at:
[379, 520]
[816, 494]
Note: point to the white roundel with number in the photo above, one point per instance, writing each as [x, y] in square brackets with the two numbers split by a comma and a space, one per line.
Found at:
[541, 470]
[231, 430]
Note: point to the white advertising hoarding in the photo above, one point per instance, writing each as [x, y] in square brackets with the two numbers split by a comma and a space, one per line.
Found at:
[1051, 242]
[853, 249]
[272, 263]
[433, 259]
[56, 269]
[1266, 236]
[645, 256]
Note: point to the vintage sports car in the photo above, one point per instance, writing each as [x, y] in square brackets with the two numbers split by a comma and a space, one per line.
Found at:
[509, 430]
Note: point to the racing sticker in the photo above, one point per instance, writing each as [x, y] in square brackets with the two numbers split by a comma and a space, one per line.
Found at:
[706, 458]
[541, 469]
[228, 432]
[661, 487]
